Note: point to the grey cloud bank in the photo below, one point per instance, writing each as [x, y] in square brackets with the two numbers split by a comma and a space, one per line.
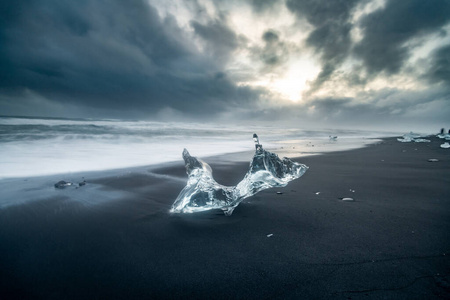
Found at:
[108, 54]
[137, 59]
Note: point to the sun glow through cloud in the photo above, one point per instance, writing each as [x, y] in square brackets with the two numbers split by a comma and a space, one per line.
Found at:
[290, 83]
[287, 81]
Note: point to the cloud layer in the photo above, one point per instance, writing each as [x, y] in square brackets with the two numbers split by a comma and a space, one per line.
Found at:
[317, 61]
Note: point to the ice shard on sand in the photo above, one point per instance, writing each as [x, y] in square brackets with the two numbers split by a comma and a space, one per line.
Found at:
[202, 192]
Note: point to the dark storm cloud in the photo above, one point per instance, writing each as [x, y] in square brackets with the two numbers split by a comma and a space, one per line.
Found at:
[270, 37]
[333, 42]
[331, 36]
[262, 5]
[387, 106]
[221, 40]
[321, 12]
[387, 30]
[439, 71]
[407, 109]
[111, 54]
[275, 52]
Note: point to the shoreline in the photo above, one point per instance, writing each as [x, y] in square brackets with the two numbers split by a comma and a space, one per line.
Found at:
[231, 157]
[59, 163]
[114, 238]
[26, 187]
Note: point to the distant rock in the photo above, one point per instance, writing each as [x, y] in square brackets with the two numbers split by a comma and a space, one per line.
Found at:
[62, 184]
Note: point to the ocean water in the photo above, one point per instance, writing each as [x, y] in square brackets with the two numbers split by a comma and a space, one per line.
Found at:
[39, 146]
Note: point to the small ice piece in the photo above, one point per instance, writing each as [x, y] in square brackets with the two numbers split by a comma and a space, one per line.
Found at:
[347, 199]
[269, 235]
[403, 140]
[445, 145]
[202, 192]
[279, 193]
[317, 193]
[62, 184]
[433, 160]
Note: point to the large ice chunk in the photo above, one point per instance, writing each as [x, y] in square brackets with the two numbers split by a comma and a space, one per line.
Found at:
[202, 192]
[412, 137]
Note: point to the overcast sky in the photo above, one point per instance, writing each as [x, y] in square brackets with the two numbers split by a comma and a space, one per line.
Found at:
[301, 62]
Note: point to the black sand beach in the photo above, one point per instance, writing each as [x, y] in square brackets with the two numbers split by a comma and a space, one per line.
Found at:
[391, 242]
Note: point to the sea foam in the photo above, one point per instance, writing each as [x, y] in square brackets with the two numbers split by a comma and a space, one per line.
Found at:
[37, 146]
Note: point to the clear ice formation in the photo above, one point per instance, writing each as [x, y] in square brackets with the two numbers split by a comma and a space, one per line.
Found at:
[412, 137]
[444, 135]
[202, 192]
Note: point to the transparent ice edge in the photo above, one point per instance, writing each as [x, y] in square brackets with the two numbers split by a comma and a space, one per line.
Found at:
[203, 193]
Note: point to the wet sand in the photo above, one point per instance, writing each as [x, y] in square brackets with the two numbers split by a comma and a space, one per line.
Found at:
[391, 242]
